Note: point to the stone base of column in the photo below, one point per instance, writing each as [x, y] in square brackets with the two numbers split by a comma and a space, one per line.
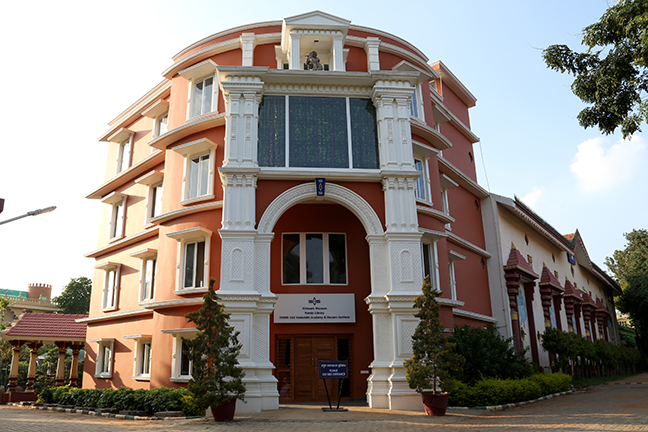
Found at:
[388, 389]
[261, 391]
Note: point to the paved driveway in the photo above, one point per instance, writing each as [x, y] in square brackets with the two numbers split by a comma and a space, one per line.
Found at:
[605, 408]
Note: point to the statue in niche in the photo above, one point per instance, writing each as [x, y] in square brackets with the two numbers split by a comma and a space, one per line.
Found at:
[313, 62]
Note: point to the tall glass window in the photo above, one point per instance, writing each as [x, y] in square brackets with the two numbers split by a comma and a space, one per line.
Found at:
[194, 265]
[317, 132]
[201, 100]
[198, 176]
[314, 258]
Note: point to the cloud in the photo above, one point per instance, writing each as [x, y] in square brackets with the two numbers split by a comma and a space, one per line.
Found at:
[531, 199]
[600, 166]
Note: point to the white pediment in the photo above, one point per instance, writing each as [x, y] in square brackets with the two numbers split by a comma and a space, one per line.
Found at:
[315, 21]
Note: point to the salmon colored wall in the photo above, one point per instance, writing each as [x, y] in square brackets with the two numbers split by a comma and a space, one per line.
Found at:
[472, 281]
[456, 105]
[388, 60]
[357, 60]
[330, 218]
[178, 101]
[458, 154]
[469, 219]
[383, 38]
[123, 352]
[264, 55]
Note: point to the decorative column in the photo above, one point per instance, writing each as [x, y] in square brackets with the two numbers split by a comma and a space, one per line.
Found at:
[60, 366]
[512, 288]
[247, 47]
[74, 366]
[373, 58]
[295, 58]
[569, 299]
[337, 53]
[545, 298]
[13, 372]
[31, 372]
[245, 256]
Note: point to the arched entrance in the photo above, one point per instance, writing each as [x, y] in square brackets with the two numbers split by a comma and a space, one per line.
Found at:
[321, 273]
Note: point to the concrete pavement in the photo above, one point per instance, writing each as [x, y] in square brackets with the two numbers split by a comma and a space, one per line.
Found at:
[620, 407]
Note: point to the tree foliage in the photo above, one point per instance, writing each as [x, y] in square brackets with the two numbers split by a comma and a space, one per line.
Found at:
[216, 375]
[488, 355]
[612, 74]
[435, 361]
[630, 268]
[75, 298]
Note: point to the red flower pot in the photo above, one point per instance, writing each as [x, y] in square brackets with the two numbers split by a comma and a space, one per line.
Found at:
[435, 404]
[224, 411]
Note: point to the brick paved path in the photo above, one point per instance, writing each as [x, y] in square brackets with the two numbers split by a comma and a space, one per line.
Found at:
[603, 408]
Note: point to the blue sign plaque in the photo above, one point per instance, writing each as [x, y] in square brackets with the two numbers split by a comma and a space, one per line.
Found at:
[333, 368]
[320, 186]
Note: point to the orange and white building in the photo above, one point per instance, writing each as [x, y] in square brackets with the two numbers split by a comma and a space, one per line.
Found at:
[317, 170]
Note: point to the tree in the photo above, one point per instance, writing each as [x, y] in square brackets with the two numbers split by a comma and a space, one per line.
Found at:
[75, 298]
[612, 75]
[630, 268]
[216, 375]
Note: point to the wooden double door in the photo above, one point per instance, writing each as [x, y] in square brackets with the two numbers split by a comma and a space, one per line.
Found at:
[296, 358]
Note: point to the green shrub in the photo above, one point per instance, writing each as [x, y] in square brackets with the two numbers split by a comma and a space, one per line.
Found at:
[488, 354]
[492, 391]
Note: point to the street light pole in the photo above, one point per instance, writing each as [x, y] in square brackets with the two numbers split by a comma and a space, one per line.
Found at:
[31, 213]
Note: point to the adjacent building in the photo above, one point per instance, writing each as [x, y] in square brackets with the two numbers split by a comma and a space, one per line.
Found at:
[37, 299]
[542, 279]
[317, 170]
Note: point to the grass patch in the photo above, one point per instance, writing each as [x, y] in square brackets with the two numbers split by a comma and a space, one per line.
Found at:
[589, 382]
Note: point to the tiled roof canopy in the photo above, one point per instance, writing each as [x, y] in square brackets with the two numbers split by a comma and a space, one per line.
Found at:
[48, 327]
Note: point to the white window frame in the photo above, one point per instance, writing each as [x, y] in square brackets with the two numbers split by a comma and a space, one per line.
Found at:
[303, 258]
[103, 366]
[433, 264]
[141, 355]
[117, 226]
[423, 180]
[196, 74]
[124, 155]
[176, 357]
[417, 102]
[159, 122]
[110, 292]
[446, 184]
[452, 257]
[185, 237]
[190, 151]
[146, 256]
[152, 180]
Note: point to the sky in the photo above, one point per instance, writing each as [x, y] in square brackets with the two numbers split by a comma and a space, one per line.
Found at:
[70, 67]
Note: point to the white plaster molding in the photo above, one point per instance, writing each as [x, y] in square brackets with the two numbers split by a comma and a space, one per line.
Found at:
[166, 217]
[462, 179]
[149, 232]
[334, 193]
[172, 303]
[474, 315]
[454, 238]
[115, 315]
[339, 174]
[449, 302]
[192, 126]
[310, 89]
[437, 214]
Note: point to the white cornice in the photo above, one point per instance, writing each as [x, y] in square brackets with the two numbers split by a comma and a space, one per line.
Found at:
[338, 174]
[115, 315]
[434, 137]
[149, 232]
[437, 214]
[199, 124]
[173, 303]
[468, 245]
[474, 315]
[449, 302]
[166, 217]
[146, 164]
[458, 124]
[455, 85]
[464, 181]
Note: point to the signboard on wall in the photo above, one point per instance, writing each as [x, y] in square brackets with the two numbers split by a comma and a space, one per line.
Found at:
[315, 308]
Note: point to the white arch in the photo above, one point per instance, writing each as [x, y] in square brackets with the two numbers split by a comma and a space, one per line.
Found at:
[336, 193]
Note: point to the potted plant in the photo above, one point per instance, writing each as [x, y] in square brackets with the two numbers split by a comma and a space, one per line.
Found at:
[430, 369]
[217, 377]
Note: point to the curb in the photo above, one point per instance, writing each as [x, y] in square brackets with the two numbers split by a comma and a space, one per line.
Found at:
[98, 414]
[513, 405]
[626, 383]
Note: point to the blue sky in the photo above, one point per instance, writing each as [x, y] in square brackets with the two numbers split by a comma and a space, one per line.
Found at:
[72, 66]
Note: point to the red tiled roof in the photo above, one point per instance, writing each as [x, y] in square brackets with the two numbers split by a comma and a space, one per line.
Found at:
[62, 326]
[570, 237]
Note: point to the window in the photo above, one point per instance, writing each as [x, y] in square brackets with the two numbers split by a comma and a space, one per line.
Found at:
[155, 201]
[452, 257]
[317, 132]
[446, 184]
[422, 181]
[162, 125]
[104, 361]
[201, 97]
[198, 176]
[142, 357]
[111, 285]
[117, 220]
[314, 258]
[145, 356]
[193, 259]
[414, 103]
[181, 366]
[147, 272]
[199, 170]
[124, 155]
[430, 263]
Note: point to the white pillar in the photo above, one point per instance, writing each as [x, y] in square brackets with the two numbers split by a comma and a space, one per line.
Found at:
[295, 58]
[247, 47]
[373, 57]
[338, 52]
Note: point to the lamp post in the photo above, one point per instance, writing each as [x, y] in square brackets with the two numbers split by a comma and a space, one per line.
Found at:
[31, 213]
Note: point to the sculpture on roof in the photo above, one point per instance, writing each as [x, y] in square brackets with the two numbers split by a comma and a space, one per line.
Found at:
[313, 62]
